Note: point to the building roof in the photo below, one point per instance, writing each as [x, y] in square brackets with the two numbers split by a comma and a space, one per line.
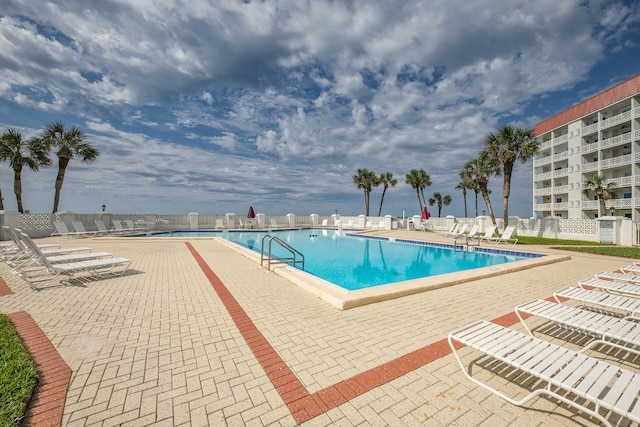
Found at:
[597, 102]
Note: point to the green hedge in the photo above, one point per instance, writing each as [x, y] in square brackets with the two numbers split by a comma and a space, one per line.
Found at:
[18, 375]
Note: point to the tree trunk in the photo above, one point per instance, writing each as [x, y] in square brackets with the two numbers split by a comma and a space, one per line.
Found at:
[62, 168]
[603, 208]
[419, 201]
[487, 201]
[464, 197]
[366, 205]
[384, 190]
[1, 201]
[17, 188]
[506, 191]
[476, 193]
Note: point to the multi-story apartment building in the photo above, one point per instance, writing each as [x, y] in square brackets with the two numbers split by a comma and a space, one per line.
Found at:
[599, 136]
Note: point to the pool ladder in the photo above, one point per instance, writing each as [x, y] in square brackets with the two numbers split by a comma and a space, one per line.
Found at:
[292, 260]
[466, 244]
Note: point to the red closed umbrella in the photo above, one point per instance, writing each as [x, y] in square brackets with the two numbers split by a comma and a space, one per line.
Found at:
[425, 213]
[251, 213]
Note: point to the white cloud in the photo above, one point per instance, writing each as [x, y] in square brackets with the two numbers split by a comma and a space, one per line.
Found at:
[319, 88]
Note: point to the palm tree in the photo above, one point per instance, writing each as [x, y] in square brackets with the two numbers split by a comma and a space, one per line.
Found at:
[599, 186]
[505, 147]
[386, 179]
[69, 144]
[419, 179]
[20, 153]
[466, 174]
[366, 180]
[482, 168]
[440, 200]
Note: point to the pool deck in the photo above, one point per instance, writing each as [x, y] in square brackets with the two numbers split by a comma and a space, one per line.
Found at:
[198, 334]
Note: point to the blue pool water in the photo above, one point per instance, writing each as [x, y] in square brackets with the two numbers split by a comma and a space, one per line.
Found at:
[358, 262]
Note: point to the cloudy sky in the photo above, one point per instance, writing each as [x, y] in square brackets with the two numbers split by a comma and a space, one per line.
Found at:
[210, 106]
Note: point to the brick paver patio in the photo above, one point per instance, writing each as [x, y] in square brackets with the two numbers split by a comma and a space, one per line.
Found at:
[197, 334]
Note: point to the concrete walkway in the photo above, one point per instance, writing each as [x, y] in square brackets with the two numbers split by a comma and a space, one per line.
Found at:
[197, 334]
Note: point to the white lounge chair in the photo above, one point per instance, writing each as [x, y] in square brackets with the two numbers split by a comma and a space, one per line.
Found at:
[15, 247]
[78, 227]
[489, 232]
[35, 255]
[24, 253]
[455, 228]
[462, 232]
[325, 222]
[604, 385]
[611, 286]
[63, 230]
[506, 237]
[631, 268]
[49, 272]
[273, 223]
[605, 329]
[219, 223]
[121, 228]
[618, 277]
[103, 228]
[629, 306]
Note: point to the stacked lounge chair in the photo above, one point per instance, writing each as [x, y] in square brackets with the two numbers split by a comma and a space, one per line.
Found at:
[608, 312]
[38, 265]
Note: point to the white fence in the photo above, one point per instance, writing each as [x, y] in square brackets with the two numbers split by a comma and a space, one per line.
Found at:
[40, 225]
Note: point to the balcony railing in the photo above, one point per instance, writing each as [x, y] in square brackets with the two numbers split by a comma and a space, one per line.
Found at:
[589, 129]
[561, 172]
[563, 206]
[544, 145]
[542, 161]
[637, 112]
[637, 179]
[620, 118]
[616, 140]
[624, 181]
[542, 207]
[616, 162]
[560, 156]
[561, 139]
[590, 204]
[587, 167]
[542, 191]
[543, 176]
[589, 148]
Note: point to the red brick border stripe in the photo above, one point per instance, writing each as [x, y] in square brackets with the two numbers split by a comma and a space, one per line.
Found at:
[47, 405]
[4, 289]
[303, 405]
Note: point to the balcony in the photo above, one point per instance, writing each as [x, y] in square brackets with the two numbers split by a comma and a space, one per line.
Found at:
[616, 162]
[637, 112]
[590, 204]
[620, 118]
[542, 207]
[637, 179]
[624, 181]
[560, 206]
[542, 176]
[589, 129]
[542, 191]
[616, 140]
[588, 167]
[561, 139]
[544, 145]
[589, 148]
[560, 156]
[561, 172]
[542, 161]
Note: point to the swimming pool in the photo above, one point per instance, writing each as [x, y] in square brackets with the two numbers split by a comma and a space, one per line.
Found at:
[355, 262]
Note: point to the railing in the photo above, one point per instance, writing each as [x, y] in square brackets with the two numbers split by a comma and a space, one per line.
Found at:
[623, 117]
[561, 139]
[291, 260]
[624, 181]
[561, 172]
[544, 145]
[616, 161]
[616, 140]
[586, 167]
[589, 129]
[560, 156]
[589, 148]
[543, 176]
[542, 161]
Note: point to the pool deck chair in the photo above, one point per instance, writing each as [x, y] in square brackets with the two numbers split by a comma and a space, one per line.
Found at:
[506, 237]
[50, 272]
[102, 228]
[63, 230]
[489, 232]
[35, 255]
[631, 268]
[611, 287]
[563, 371]
[78, 227]
[121, 228]
[629, 306]
[219, 224]
[455, 229]
[604, 328]
[618, 277]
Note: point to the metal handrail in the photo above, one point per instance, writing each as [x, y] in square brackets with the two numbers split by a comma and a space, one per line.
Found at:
[279, 260]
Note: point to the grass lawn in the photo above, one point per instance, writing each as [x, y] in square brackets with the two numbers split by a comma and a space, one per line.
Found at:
[18, 375]
[582, 246]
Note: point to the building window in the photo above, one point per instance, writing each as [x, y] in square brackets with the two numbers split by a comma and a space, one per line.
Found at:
[626, 196]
